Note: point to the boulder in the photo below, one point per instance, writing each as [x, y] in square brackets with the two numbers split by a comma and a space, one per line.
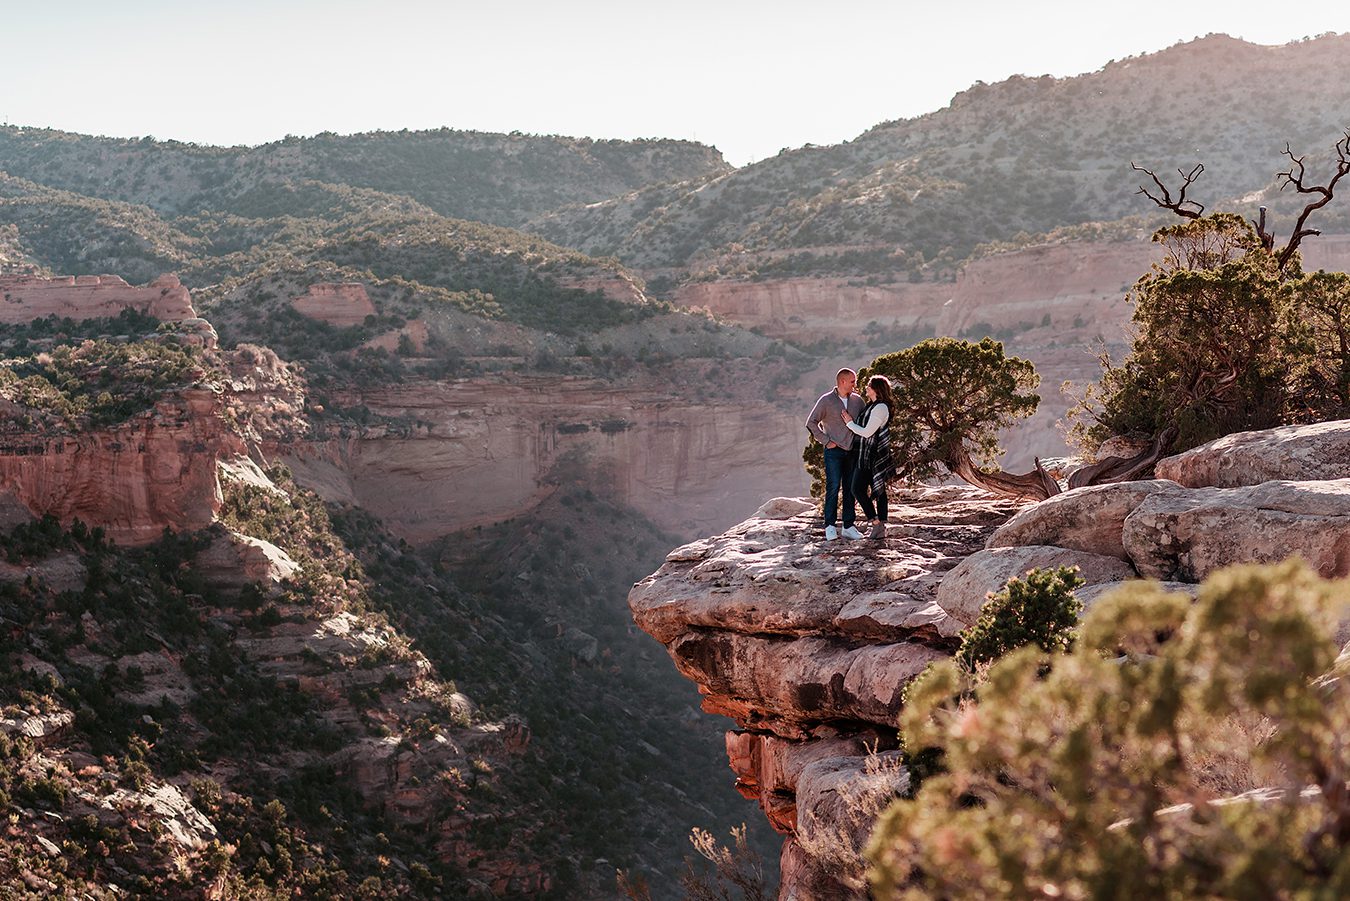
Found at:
[232, 561]
[1089, 595]
[1188, 535]
[1298, 453]
[964, 590]
[785, 507]
[1086, 519]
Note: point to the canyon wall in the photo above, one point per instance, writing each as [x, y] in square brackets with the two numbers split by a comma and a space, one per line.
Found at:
[342, 305]
[24, 298]
[155, 471]
[1079, 286]
[477, 451]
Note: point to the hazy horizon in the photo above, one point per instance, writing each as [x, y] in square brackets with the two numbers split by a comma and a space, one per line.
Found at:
[749, 78]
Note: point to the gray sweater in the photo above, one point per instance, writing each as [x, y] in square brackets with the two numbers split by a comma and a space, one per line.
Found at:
[826, 422]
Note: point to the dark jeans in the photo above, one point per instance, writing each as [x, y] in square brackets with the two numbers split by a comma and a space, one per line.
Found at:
[862, 490]
[839, 465]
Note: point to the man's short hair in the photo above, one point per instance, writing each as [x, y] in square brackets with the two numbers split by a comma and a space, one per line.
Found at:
[841, 373]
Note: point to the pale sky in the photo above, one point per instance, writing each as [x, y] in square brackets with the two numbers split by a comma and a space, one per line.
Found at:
[748, 77]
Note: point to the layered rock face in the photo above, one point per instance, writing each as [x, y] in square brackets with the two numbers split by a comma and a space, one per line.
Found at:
[342, 305]
[807, 645]
[476, 451]
[25, 298]
[620, 287]
[1079, 286]
[154, 471]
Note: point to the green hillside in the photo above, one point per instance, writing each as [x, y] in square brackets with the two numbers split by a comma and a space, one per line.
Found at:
[1024, 155]
[500, 179]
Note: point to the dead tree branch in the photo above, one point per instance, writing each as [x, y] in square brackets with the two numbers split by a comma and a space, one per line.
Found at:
[1123, 469]
[1165, 201]
[1267, 239]
[1295, 175]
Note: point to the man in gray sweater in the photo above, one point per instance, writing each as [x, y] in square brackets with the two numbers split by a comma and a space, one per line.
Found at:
[826, 425]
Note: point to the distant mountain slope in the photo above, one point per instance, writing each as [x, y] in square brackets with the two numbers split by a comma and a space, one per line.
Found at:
[494, 178]
[495, 272]
[1023, 155]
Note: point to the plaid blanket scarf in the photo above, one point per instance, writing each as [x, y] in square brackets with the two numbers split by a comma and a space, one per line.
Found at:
[875, 456]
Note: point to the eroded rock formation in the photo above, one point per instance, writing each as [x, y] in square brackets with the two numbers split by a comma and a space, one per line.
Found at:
[807, 645]
[453, 454]
[155, 471]
[342, 305]
[25, 298]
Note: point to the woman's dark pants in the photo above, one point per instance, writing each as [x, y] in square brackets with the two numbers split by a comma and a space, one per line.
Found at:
[862, 490]
[839, 465]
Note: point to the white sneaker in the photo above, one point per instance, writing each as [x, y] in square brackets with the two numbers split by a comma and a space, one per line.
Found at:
[852, 534]
[831, 533]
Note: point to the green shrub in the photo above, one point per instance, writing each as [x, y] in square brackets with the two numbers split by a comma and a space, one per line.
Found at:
[1226, 341]
[1039, 609]
[1064, 783]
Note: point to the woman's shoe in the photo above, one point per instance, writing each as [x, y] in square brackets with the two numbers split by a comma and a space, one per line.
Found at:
[878, 530]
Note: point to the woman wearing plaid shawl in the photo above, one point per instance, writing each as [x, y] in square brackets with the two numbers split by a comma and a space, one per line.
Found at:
[875, 466]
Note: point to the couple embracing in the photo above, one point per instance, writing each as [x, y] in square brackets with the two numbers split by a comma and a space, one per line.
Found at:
[857, 451]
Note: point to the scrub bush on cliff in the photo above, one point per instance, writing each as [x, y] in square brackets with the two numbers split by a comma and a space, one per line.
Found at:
[1211, 355]
[1066, 783]
[952, 398]
[1231, 334]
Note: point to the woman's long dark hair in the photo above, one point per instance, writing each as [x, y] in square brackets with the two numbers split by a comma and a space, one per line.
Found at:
[882, 386]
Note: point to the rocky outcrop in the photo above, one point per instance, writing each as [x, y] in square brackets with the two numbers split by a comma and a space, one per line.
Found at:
[965, 589]
[620, 286]
[162, 803]
[1186, 536]
[1296, 452]
[264, 396]
[1090, 519]
[233, 561]
[807, 645]
[25, 298]
[341, 304]
[155, 471]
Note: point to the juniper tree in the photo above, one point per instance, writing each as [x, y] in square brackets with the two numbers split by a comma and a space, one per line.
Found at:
[1230, 333]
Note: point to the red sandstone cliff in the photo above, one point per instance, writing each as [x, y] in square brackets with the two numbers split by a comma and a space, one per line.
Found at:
[342, 305]
[155, 471]
[25, 298]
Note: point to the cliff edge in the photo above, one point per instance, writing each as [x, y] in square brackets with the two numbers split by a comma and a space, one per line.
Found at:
[808, 645]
